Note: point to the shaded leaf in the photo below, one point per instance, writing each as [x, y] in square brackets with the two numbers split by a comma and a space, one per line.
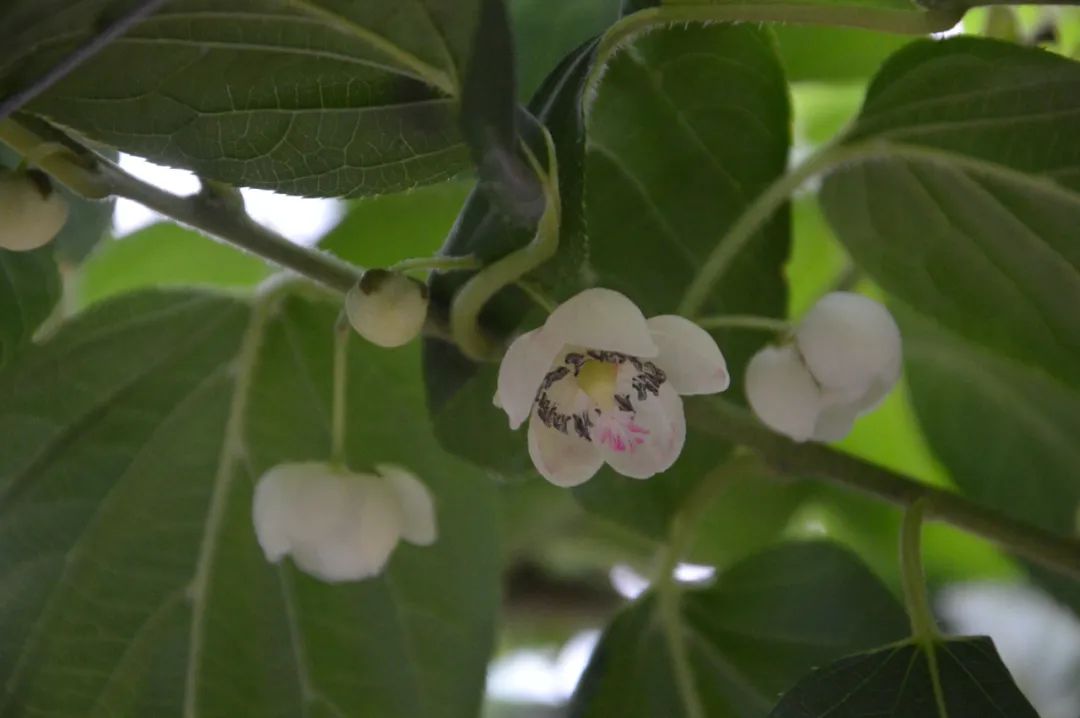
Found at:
[766, 621]
[314, 97]
[899, 681]
[133, 583]
[29, 289]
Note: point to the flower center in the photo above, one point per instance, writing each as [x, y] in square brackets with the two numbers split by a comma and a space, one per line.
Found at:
[597, 380]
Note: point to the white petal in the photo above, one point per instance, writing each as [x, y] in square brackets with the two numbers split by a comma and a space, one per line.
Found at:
[417, 507]
[523, 368]
[293, 503]
[564, 460]
[601, 319]
[360, 541]
[834, 422]
[782, 393]
[848, 341]
[650, 442]
[688, 355]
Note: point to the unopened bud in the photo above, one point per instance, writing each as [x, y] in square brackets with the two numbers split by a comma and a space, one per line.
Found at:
[387, 308]
[31, 212]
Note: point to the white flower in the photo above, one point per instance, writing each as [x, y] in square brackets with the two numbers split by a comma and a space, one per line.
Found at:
[602, 383]
[31, 212]
[387, 308]
[336, 524]
[843, 360]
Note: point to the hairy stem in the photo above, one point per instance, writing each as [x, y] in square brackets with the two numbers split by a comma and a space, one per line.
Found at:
[916, 600]
[721, 418]
[140, 11]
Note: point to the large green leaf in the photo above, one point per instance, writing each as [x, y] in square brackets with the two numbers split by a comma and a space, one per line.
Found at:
[899, 682]
[132, 583]
[688, 126]
[166, 255]
[29, 289]
[965, 207]
[309, 97]
[765, 622]
[546, 31]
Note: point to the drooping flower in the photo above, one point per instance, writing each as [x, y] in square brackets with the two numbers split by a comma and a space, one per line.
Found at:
[387, 308]
[600, 383]
[842, 360]
[339, 525]
[32, 213]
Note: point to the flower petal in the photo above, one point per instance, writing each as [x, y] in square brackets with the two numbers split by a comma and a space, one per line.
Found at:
[834, 422]
[848, 340]
[523, 368]
[563, 459]
[417, 507]
[600, 318]
[647, 441]
[782, 392]
[292, 503]
[361, 538]
[688, 355]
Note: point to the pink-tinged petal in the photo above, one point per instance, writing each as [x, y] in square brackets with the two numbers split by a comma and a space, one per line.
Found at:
[782, 392]
[417, 507]
[688, 355]
[523, 368]
[563, 459]
[647, 441]
[601, 319]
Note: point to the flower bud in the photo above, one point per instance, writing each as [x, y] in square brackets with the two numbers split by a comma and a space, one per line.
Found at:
[31, 212]
[387, 308]
[843, 360]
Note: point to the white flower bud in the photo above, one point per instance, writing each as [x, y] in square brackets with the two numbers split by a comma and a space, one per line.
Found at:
[844, 359]
[848, 342]
[387, 308]
[31, 212]
[337, 525]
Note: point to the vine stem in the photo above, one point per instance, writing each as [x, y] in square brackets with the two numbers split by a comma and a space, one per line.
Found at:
[722, 418]
[342, 331]
[911, 21]
[744, 321]
[916, 600]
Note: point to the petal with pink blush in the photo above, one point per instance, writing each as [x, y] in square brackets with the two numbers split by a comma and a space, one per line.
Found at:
[647, 441]
[523, 368]
[688, 355]
[602, 319]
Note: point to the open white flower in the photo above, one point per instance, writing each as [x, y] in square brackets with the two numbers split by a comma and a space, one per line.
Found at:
[844, 359]
[336, 524]
[600, 383]
[31, 211]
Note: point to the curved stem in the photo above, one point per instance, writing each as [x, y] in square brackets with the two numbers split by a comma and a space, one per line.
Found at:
[471, 298]
[342, 330]
[721, 418]
[437, 263]
[912, 21]
[539, 298]
[916, 600]
[744, 321]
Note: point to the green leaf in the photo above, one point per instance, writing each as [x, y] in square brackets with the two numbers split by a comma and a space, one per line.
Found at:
[688, 125]
[133, 583]
[956, 678]
[311, 97]
[832, 54]
[967, 213]
[166, 255]
[765, 622]
[29, 289]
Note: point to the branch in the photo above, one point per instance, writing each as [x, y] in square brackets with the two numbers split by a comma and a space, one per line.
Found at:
[723, 419]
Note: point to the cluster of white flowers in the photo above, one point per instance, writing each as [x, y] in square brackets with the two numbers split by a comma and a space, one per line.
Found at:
[32, 213]
[339, 525]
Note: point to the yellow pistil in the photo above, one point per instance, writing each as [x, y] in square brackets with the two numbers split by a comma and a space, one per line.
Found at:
[597, 379]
